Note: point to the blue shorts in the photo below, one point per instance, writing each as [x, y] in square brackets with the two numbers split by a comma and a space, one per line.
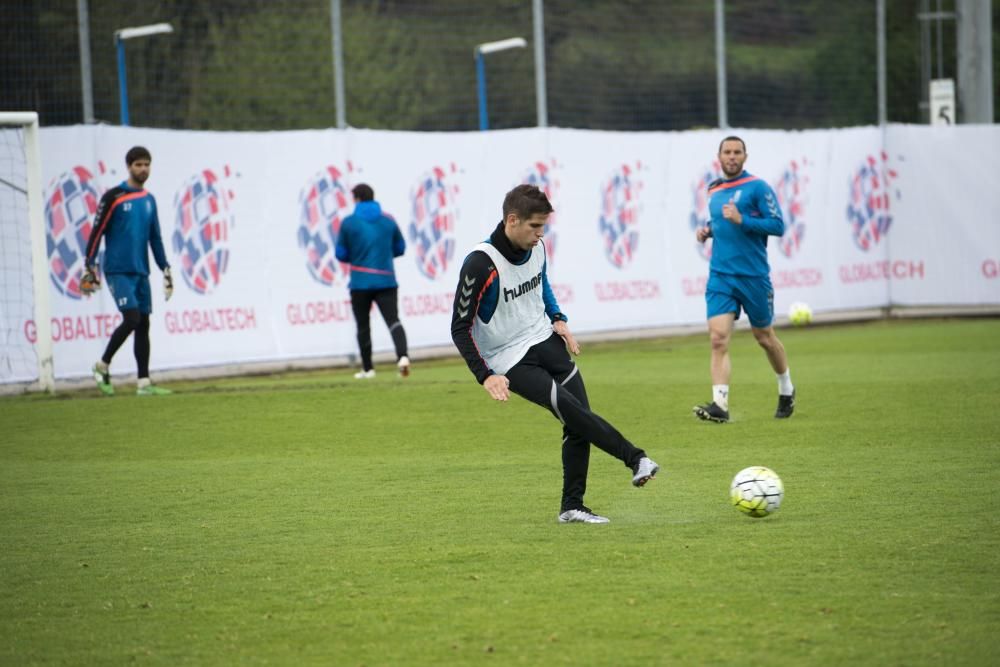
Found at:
[725, 293]
[130, 291]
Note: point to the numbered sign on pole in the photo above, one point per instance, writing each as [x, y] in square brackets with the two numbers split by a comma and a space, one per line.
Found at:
[942, 96]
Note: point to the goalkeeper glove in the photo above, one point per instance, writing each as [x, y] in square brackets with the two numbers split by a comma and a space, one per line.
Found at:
[89, 281]
[168, 283]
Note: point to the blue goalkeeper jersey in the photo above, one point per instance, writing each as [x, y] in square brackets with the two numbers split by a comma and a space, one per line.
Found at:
[741, 250]
[127, 220]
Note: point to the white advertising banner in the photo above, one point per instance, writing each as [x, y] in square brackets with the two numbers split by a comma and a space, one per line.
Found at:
[944, 244]
[901, 216]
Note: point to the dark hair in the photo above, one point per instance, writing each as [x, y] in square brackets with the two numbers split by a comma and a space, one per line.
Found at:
[136, 153]
[363, 192]
[733, 137]
[525, 201]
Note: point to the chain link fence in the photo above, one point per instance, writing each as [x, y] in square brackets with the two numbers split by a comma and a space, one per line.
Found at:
[408, 65]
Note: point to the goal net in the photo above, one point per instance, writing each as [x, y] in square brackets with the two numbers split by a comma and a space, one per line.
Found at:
[25, 329]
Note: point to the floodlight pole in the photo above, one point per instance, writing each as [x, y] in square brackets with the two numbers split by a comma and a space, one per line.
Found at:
[479, 52]
[120, 37]
[484, 122]
[122, 86]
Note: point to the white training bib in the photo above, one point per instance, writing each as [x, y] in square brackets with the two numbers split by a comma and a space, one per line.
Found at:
[519, 320]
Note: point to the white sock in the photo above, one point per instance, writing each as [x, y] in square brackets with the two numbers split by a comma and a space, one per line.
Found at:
[143, 382]
[101, 366]
[720, 394]
[785, 386]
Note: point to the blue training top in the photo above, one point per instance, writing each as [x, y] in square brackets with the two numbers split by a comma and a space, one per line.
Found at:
[127, 219]
[741, 249]
[368, 241]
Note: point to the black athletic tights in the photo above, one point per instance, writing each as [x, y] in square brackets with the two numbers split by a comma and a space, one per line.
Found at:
[361, 303]
[132, 320]
[549, 377]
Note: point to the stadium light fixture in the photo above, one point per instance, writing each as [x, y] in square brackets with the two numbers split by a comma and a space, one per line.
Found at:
[479, 53]
[120, 37]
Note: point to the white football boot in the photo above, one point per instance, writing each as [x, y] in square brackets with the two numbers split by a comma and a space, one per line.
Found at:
[644, 471]
[582, 515]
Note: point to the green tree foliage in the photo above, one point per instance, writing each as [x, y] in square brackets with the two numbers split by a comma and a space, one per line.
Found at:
[278, 60]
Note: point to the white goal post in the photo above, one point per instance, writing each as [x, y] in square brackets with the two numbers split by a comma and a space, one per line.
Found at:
[22, 225]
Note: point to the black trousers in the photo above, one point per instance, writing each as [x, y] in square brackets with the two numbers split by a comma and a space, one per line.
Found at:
[361, 304]
[548, 376]
[132, 321]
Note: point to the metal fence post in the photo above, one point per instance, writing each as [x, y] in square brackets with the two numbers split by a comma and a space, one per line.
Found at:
[720, 62]
[338, 63]
[86, 71]
[880, 44]
[541, 101]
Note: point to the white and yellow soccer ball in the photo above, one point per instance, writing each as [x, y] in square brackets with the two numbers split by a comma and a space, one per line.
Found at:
[800, 314]
[757, 491]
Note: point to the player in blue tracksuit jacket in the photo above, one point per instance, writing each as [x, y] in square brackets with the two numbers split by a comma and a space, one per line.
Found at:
[744, 212]
[127, 221]
[369, 240]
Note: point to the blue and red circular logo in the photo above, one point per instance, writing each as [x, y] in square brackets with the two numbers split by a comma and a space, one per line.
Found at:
[791, 191]
[542, 175]
[70, 205]
[872, 190]
[699, 205]
[620, 208]
[433, 214]
[323, 204]
[202, 223]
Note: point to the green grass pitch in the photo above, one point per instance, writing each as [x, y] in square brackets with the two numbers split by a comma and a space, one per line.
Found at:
[313, 519]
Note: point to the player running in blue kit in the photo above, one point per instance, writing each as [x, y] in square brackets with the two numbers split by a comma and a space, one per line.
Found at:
[127, 221]
[744, 212]
[514, 337]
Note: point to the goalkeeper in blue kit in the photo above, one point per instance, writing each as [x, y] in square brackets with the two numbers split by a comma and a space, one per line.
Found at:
[744, 212]
[127, 221]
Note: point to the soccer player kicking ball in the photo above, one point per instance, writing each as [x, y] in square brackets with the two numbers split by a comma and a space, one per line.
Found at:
[512, 334]
[744, 212]
[127, 220]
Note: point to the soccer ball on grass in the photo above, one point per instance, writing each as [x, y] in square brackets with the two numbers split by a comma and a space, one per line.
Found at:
[757, 491]
[800, 314]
